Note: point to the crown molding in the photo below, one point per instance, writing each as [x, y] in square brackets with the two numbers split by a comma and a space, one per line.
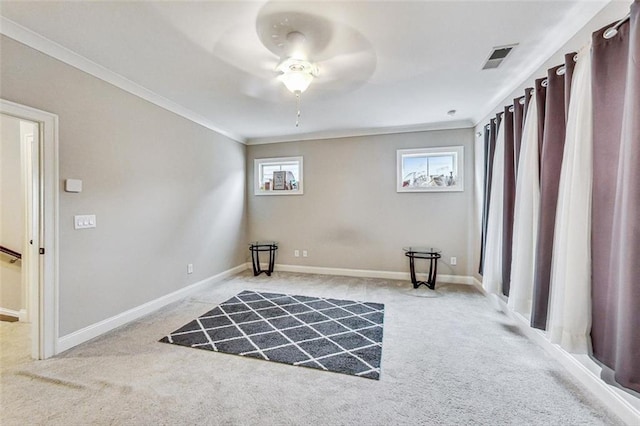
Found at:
[36, 41]
[370, 131]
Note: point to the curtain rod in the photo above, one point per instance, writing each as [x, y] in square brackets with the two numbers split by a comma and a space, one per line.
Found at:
[613, 31]
[610, 32]
[561, 70]
[607, 34]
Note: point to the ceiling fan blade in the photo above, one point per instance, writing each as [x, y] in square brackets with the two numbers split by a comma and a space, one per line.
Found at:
[345, 40]
[241, 48]
[267, 90]
[342, 74]
[358, 66]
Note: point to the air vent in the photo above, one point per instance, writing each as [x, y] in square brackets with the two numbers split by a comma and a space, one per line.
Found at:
[498, 54]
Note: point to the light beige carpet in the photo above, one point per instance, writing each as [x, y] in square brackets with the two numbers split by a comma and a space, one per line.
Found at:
[448, 359]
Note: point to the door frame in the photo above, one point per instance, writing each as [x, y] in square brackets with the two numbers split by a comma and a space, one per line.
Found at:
[30, 164]
[44, 290]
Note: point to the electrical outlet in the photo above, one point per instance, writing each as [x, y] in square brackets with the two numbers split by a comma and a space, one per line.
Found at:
[296, 253]
[190, 268]
[454, 261]
[304, 253]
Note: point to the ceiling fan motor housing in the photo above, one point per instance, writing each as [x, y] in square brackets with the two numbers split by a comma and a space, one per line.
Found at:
[297, 65]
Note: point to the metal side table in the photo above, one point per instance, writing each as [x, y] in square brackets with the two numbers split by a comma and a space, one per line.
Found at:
[267, 246]
[428, 253]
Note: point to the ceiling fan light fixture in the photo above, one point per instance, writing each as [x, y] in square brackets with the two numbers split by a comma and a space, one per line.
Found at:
[296, 74]
[296, 81]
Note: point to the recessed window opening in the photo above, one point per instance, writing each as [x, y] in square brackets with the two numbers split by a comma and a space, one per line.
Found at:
[278, 176]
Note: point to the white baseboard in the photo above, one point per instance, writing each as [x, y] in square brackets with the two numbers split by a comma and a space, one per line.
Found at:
[608, 395]
[456, 279]
[21, 314]
[77, 337]
[366, 273]
[585, 370]
[92, 331]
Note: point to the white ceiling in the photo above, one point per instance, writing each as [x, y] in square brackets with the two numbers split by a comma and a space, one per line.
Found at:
[392, 65]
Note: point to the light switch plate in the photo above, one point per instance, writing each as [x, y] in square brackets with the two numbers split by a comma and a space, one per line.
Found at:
[84, 221]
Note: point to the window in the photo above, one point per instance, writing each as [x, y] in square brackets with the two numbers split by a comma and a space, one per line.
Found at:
[430, 169]
[278, 176]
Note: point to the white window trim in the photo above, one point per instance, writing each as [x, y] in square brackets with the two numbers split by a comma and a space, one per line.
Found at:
[458, 153]
[259, 162]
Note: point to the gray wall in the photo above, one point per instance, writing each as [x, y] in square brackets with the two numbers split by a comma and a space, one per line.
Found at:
[166, 191]
[351, 216]
[11, 213]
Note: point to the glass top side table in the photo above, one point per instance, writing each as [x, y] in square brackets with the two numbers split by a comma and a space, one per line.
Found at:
[428, 253]
[267, 246]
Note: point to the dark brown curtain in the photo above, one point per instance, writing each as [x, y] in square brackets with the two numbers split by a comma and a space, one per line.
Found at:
[519, 126]
[509, 196]
[550, 168]
[615, 234]
[540, 92]
[518, 123]
[489, 151]
[517, 120]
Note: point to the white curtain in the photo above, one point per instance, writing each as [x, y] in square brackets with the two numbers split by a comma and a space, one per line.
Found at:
[478, 169]
[492, 273]
[570, 300]
[525, 220]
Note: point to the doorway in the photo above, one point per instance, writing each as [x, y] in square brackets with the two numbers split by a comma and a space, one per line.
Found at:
[18, 186]
[28, 226]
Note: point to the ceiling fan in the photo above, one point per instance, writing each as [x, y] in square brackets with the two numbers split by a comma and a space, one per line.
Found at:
[295, 44]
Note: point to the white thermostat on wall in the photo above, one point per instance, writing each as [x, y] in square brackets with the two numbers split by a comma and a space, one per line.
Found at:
[73, 185]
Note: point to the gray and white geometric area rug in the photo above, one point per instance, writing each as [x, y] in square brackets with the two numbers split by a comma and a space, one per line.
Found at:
[344, 336]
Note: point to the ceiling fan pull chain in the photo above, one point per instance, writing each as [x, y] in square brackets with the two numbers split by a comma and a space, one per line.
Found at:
[298, 109]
